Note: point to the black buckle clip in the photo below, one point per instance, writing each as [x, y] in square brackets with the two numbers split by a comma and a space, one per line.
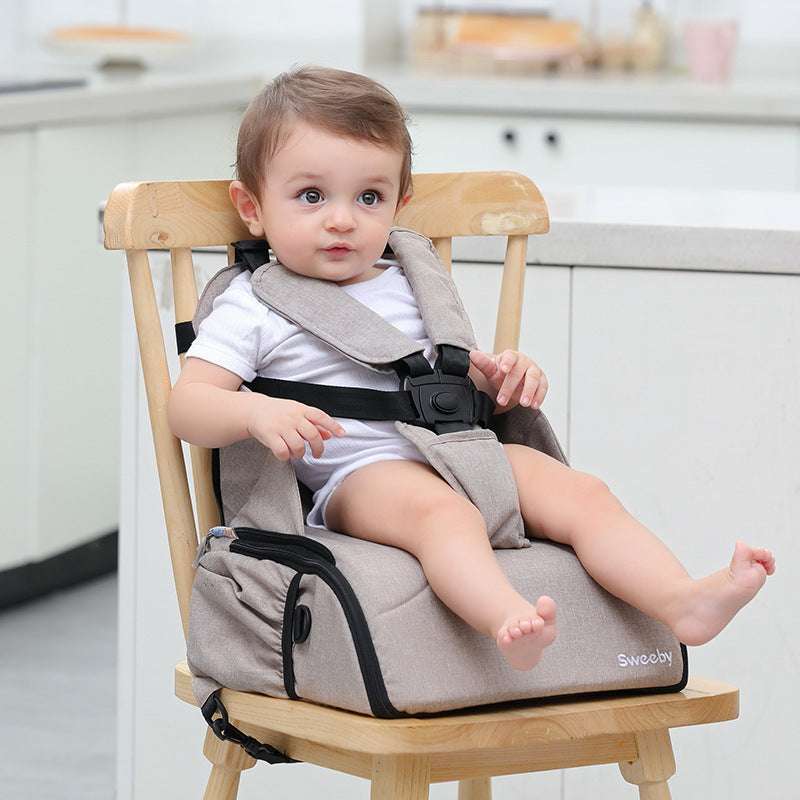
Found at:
[251, 252]
[224, 730]
[448, 401]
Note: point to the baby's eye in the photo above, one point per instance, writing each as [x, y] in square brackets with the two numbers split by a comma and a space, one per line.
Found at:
[370, 198]
[310, 196]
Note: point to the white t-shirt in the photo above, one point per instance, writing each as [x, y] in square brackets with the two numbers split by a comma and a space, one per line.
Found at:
[251, 340]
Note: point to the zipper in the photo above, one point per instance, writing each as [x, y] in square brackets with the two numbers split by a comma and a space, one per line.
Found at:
[309, 557]
[256, 536]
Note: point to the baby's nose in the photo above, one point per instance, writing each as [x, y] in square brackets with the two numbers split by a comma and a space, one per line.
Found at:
[340, 217]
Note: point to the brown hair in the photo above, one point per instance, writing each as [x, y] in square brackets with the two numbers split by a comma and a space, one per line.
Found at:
[342, 103]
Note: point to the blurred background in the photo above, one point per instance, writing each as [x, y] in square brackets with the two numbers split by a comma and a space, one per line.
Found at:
[665, 136]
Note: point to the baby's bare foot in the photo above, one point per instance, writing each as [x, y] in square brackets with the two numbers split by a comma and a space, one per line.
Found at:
[718, 598]
[523, 636]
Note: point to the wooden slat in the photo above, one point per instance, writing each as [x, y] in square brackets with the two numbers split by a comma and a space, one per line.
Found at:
[175, 495]
[184, 290]
[509, 308]
[475, 204]
[173, 214]
[170, 214]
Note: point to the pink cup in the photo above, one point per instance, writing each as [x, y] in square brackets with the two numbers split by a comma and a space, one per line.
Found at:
[710, 45]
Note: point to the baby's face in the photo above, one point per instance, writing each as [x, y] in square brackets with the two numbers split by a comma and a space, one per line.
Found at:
[328, 203]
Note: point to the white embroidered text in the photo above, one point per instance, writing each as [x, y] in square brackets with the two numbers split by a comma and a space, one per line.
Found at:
[658, 657]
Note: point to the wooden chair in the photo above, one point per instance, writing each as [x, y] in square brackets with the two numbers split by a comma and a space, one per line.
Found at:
[400, 757]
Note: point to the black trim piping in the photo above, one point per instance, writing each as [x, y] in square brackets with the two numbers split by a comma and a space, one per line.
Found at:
[287, 639]
[300, 554]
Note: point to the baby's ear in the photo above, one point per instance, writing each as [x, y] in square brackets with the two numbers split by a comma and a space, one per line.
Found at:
[401, 204]
[248, 207]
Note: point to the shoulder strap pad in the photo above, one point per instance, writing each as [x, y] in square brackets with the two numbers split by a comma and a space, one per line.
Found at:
[442, 311]
[332, 315]
[341, 321]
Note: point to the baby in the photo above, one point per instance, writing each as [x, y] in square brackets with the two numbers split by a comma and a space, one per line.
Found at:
[323, 167]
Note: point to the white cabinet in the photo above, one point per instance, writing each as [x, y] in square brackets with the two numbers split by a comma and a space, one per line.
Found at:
[16, 153]
[684, 398]
[186, 147]
[611, 152]
[74, 369]
[685, 386]
[544, 334]
[60, 421]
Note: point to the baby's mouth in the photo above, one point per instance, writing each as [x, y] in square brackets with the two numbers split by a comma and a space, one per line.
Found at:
[339, 249]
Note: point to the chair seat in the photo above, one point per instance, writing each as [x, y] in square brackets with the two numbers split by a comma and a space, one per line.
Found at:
[494, 740]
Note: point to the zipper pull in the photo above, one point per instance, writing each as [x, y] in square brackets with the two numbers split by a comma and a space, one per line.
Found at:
[218, 532]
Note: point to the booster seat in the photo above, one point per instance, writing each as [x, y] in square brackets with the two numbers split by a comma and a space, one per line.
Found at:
[334, 615]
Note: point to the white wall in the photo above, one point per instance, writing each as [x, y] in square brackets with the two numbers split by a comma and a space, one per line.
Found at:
[762, 22]
[247, 18]
[273, 24]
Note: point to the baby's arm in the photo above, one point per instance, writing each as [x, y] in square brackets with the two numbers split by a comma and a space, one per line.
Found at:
[511, 378]
[206, 409]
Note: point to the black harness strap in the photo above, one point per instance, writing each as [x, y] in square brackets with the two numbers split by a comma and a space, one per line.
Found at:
[253, 253]
[184, 336]
[442, 398]
[340, 401]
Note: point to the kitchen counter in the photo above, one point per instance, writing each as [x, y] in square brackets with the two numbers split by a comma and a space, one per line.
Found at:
[112, 98]
[610, 95]
[717, 231]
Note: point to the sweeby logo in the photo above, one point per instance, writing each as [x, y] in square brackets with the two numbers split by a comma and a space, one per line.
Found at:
[644, 659]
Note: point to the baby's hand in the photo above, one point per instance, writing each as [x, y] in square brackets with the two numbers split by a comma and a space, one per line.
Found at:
[286, 427]
[514, 378]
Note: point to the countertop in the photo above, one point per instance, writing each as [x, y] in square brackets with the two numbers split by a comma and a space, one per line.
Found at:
[774, 100]
[109, 98]
[611, 95]
[720, 231]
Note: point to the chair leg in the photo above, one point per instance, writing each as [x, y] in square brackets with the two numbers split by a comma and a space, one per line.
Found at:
[655, 765]
[400, 778]
[475, 789]
[228, 761]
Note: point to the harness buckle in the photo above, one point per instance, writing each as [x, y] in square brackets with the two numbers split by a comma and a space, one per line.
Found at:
[447, 402]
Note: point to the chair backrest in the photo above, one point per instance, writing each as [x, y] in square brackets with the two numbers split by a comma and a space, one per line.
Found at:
[181, 215]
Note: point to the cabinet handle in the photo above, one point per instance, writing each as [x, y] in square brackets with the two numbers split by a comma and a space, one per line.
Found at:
[510, 136]
[552, 138]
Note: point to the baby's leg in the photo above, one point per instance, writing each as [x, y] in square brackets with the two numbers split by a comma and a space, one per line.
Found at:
[623, 556]
[406, 504]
